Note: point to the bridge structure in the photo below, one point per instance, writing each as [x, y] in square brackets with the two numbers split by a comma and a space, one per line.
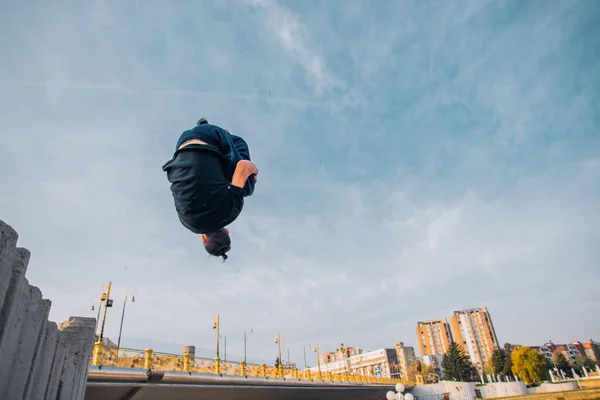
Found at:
[40, 359]
[118, 373]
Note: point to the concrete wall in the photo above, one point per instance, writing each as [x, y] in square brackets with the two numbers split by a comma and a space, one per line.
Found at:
[38, 358]
[466, 390]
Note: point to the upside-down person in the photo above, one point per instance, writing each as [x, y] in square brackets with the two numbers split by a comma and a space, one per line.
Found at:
[210, 174]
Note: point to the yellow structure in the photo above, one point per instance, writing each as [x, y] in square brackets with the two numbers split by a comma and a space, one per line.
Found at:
[97, 353]
[148, 359]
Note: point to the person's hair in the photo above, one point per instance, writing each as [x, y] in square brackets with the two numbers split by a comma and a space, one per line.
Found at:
[218, 243]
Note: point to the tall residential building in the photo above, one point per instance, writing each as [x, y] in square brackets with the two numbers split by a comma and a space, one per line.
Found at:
[406, 356]
[434, 337]
[473, 330]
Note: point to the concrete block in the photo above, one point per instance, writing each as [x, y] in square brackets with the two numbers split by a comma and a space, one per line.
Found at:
[35, 317]
[15, 262]
[8, 242]
[15, 317]
[38, 383]
[58, 362]
[79, 334]
[38, 359]
[38, 348]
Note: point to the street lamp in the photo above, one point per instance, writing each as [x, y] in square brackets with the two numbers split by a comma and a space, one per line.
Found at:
[99, 344]
[304, 350]
[217, 326]
[122, 318]
[278, 341]
[316, 350]
[107, 303]
[245, 339]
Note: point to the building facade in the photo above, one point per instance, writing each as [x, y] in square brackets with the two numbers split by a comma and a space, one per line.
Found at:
[434, 337]
[379, 363]
[571, 350]
[405, 356]
[339, 354]
[474, 331]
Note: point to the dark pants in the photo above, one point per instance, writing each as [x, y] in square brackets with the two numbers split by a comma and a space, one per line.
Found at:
[232, 148]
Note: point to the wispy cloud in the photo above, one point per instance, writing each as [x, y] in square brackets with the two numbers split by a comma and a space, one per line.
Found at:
[414, 159]
[296, 40]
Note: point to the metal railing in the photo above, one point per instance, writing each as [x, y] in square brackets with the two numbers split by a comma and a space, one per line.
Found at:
[149, 359]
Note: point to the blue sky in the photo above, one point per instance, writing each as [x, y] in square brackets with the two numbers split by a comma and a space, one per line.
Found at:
[415, 158]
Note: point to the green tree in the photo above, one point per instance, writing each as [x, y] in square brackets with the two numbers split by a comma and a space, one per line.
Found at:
[596, 351]
[530, 365]
[417, 368]
[498, 361]
[456, 364]
[561, 362]
[508, 349]
[277, 362]
[584, 361]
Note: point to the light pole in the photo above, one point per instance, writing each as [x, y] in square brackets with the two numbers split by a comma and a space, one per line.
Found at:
[107, 303]
[278, 341]
[225, 349]
[121, 326]
[245, 339]
[318, 360]
[99, 344]
[217, 326]
[304, 350]
[343, 351]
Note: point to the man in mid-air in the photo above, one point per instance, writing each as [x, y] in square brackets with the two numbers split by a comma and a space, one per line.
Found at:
[210, 174]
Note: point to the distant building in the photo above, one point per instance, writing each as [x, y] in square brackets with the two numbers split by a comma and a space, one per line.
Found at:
[288, 365]
[434, 337]
[339, 354]
[380, 363]
[474, 331]
[435, 362]
[405, 356]
[589, 351]
[571, 351]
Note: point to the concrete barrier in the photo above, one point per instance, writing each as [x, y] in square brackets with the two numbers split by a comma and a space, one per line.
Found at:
[38, 358]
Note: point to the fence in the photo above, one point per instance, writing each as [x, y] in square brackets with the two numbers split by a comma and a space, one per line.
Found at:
[469, 390]
[38, 358]
[149, 359]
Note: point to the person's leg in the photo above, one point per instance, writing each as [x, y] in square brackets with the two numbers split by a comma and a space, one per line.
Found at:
[244, 152]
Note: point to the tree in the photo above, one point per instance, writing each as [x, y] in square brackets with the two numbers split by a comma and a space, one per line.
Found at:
[498, 361]
[508, 349]
[584, 361]
[277, 362]
[417, 368]
[560, 361]
[488, 369]
[456, 364]
[596, 351]
[530, 365]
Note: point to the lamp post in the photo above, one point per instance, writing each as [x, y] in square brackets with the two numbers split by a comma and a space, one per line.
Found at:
[304, 350]
[245, 339]
[217, 326]
[107, 303]
[343, 351]
[121, 326]
[99, 344]
[316, 349]
[278, 341]
[225, 349]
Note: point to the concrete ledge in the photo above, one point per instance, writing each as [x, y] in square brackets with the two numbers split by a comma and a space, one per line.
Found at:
[38, 359]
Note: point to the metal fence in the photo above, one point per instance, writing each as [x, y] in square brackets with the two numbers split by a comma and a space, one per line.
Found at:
[149, 359]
